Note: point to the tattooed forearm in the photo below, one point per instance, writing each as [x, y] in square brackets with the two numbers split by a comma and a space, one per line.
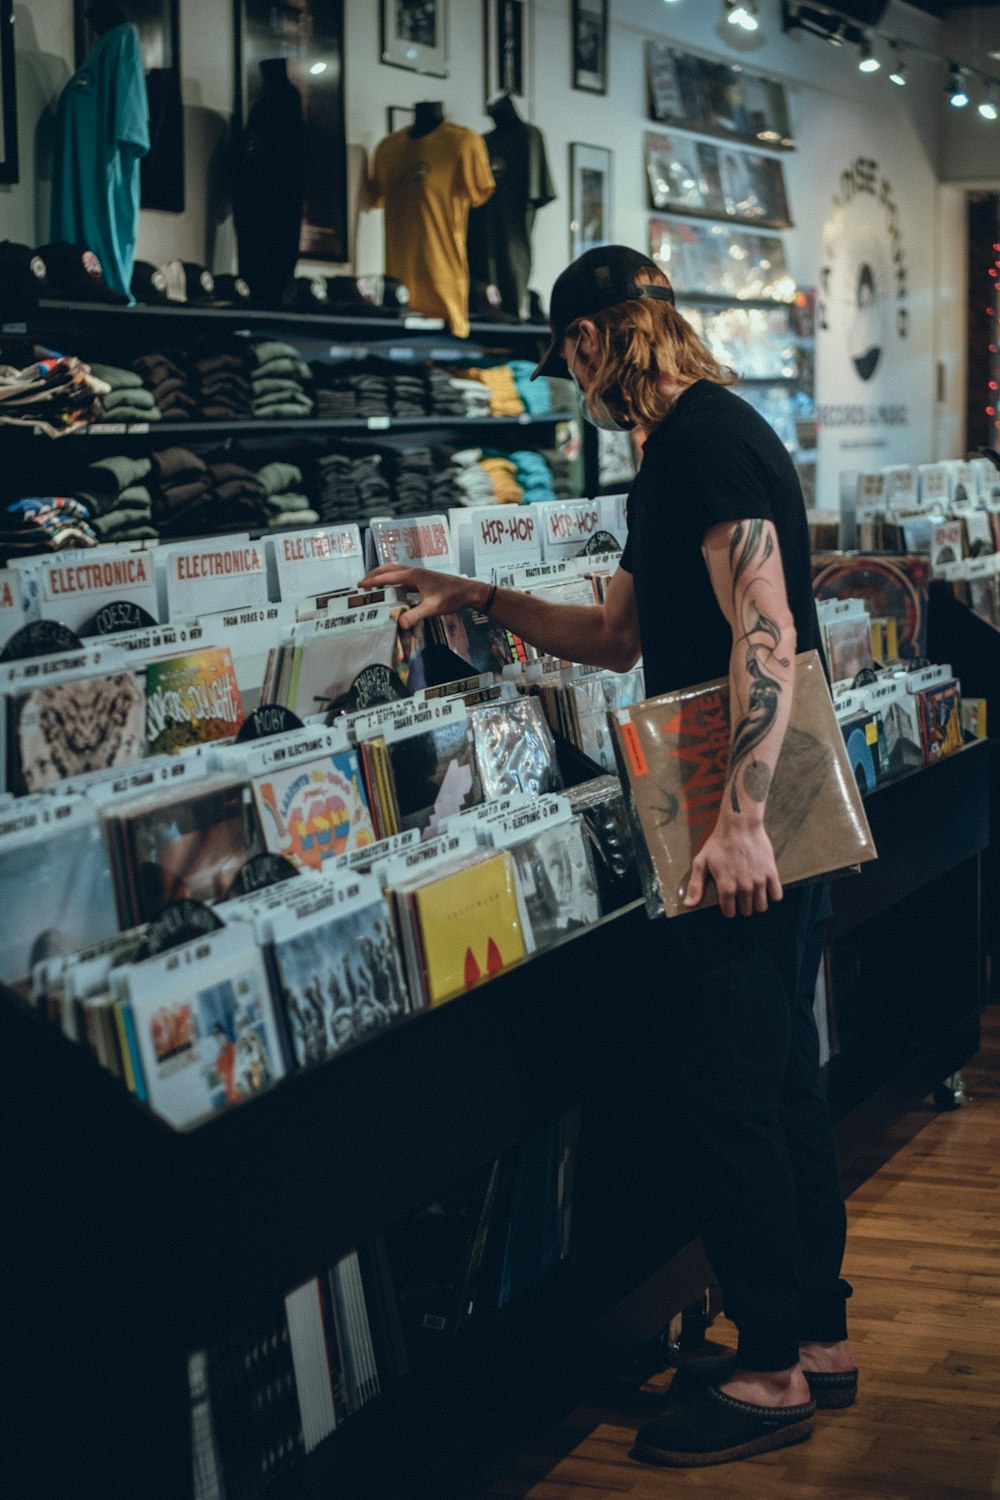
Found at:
[755, 724]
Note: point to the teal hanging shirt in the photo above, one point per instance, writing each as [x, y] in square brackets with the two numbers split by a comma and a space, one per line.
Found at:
[102, 131]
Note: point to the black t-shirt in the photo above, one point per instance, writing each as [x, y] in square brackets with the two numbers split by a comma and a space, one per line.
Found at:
[711, 459]
[500, 231]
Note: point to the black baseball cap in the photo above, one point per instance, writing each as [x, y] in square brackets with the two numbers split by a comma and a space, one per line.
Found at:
[74, 271]
[599, 278]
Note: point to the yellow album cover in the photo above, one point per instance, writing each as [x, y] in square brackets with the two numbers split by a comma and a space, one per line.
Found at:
[470, 926]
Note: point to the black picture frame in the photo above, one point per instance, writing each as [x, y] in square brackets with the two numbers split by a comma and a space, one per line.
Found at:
[506, 26]
[590, 205]
[8, 97]
[158, 23]
[415, 36]
[590, 46]
[310, 35]
[399, 117]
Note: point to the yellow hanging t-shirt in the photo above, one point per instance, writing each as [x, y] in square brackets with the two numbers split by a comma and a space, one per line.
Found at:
[427, 187]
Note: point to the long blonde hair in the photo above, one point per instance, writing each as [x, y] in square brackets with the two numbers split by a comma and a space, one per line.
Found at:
[638, 344]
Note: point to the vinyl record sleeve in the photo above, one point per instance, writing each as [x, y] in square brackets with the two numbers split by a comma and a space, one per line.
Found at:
[191, 845]
[73, 727]
[674, 754]
[191, 699]
[469, 925]
[433, 775]
[338, 978]
[515, 751]
[311, 813]
[557, 881]
[205, 1025]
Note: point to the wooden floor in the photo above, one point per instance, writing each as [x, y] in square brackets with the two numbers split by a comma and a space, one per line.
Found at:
[924, 1259]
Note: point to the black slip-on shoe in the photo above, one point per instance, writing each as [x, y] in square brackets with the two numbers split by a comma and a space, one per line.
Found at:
[832, 1389]
[713, 1428]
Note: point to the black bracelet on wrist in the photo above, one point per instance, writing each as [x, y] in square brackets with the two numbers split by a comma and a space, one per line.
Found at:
[487, 603]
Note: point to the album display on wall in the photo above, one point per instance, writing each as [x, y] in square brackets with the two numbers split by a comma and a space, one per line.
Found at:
[701, 178]
[715, 98]
[415, 35]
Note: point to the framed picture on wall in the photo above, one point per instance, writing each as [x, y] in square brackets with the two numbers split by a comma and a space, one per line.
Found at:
[415, 35]
[398, 117]
[309, 37]
[590, 46]
[506, 25]
[158, 23]
[8, 107]
[589, 198]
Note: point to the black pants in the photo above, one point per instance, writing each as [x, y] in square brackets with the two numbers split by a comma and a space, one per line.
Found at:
[760, 1164]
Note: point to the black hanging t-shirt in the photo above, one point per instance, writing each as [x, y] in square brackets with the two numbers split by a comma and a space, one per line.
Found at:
[500, 231]
[711, 459]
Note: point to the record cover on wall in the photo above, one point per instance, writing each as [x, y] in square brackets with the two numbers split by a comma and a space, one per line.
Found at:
[8, 102]
[415, 35]
[590, 198]
[715, 98]
[507, 49]
[309, 36]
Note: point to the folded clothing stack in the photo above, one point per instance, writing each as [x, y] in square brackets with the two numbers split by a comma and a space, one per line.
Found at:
[53, 394]
[470, 483]
[474, 395]
[561, 469]
[44, 524]
[170, 380]
[117, 495]
[182, 493]
[411, 474]
[224, 392]
[533, 475]
[445, 398]
[351, 488]
[278, 378]
[127, 399]
[283, 501]
[499, 382]
[502, 474]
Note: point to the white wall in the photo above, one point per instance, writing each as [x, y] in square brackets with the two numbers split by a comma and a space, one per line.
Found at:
[838, 116]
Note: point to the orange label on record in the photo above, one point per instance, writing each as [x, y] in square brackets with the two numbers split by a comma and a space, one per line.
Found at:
[633, 748]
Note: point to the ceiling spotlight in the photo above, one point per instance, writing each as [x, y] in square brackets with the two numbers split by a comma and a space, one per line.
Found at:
[958, 96]
[317, 68]
[898, 74]
[836, 37]
[868, 62]
[988, 109]
[742, 13]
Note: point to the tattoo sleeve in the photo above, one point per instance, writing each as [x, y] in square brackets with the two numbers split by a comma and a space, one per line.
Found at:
[751, 545]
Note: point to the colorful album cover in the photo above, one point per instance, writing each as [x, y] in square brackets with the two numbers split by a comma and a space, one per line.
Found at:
[191, 700]
[205, 1026]
[191, 845]
[941, 719]
[515, 751]
[311, 813]
[557, 881]
[338, 980]
[470, 926]
[57, 894]
[70, 728]
[434, 775]
[867, 750]
[895, 586]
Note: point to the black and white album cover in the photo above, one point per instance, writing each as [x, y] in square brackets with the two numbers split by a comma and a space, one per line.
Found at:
[557, 881]
[338, 980]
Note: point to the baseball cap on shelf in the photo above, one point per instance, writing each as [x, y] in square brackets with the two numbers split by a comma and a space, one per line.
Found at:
[306, 294]
[149, 284]
[597, 279]
[75, 272]
[234, 289]
[22, 272]
[199, 283]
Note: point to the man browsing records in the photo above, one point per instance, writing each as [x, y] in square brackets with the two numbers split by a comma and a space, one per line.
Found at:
[714, 580]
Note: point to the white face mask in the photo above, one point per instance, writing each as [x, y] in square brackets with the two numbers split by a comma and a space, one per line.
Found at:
[599, 416]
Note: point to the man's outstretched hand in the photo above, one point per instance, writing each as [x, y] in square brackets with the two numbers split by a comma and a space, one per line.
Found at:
[440, 593]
